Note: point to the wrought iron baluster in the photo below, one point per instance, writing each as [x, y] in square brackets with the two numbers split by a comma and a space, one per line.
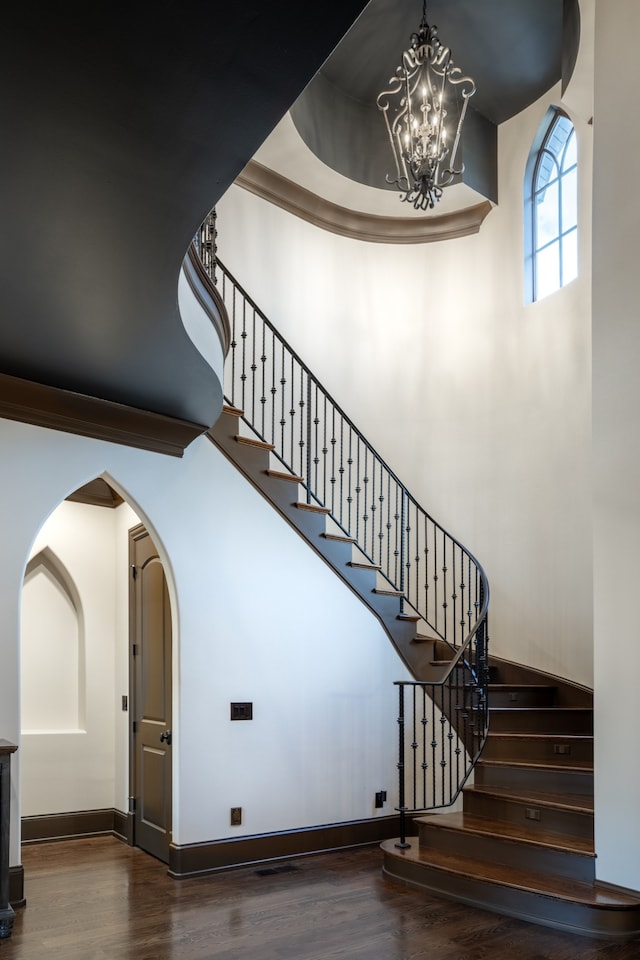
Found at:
[402, 809]
[273, 389]
[414, 748]
[365, 492]
[325, 450]
[349, 481]
[341, 467]
[358, 491]
[305, 426]
[317, 491]
[263, 395]
[416, 593]
[373, 509]
[243, 375]
[333, 454]
[445, 603]
[435, 576]
[234, 344]
[425, 764]
[253, 369]
[402, 547]
[283, 386]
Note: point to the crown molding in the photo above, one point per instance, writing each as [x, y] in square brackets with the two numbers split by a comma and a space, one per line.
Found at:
[290, 196]
[58, 409]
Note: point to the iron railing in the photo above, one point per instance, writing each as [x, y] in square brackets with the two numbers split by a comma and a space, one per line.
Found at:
[437, 578]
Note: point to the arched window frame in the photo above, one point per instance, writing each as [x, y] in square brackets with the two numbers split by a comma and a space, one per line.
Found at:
[560, 157]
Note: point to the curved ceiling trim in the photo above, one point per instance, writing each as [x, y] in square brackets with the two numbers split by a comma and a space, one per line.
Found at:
[290, 196]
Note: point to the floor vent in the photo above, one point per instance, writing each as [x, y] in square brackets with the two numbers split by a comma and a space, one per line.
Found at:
[271, 871]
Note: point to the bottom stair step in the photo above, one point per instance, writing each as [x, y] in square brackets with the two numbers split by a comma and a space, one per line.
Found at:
[560, 902]
[508, 844]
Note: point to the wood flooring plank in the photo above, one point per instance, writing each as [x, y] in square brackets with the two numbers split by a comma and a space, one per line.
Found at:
[98, 899]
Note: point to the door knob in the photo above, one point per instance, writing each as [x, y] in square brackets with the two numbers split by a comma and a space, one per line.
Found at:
[166, 736]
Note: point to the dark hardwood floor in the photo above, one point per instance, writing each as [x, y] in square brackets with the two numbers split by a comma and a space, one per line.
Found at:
[101, 900]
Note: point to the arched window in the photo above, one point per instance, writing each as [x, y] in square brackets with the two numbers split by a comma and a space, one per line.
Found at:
[551, 208]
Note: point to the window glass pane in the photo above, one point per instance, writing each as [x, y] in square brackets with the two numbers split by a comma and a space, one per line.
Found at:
[569, 257]
[571, 154]
[547, 220]
[569, 200]
[547, 170]
[548, 270]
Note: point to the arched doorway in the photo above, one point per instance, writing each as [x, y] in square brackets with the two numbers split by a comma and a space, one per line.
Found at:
[77, 715]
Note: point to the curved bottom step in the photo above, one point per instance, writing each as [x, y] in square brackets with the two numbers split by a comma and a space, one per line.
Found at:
[569, 905]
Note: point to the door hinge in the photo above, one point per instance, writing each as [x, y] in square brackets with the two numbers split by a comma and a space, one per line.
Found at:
[134, 571]
[134, 726]
[134, 649]
[132, 804]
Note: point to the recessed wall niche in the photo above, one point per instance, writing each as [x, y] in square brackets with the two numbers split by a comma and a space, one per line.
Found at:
[52, 645]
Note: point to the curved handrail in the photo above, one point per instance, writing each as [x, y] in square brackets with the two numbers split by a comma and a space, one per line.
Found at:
[435, 577]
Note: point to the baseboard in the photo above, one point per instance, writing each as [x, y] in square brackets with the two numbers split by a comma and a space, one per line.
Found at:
[70, 826]
[615, 889]
[16, 887]
[200, 858]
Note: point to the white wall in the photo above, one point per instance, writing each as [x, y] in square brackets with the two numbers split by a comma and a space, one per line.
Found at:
[66, 770]
[480, 404]
[85, 768]
[616, 456]
[258, 617]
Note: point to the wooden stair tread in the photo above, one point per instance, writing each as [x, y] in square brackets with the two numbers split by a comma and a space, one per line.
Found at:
[254, 442]
[383, 592]
[422, 638]
[551, 737]
[532, 765]
[232, 411]
[541, 884]
[410, 617]
[312, 507]
[283, 475]
[339, 537]
[557, 709]
[576, 803]
[503, 830]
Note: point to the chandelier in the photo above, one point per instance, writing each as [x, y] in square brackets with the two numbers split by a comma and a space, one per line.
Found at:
[424, 109]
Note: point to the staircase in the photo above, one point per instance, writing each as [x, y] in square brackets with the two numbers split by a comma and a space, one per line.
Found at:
[254, 458]
[523, 843]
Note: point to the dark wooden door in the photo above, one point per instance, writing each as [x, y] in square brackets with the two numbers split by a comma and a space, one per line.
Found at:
[150, 690]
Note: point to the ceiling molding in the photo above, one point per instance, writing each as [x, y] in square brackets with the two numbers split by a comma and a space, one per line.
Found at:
[96, 493]
[44, 406]
[289, 196]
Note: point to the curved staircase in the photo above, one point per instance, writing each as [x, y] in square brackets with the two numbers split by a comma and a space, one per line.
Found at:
[523, 843]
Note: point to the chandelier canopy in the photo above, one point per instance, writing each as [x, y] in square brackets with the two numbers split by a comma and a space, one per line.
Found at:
[424, 108]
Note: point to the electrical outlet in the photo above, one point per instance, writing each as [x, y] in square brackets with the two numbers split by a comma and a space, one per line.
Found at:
[236, 816]
[381, 796]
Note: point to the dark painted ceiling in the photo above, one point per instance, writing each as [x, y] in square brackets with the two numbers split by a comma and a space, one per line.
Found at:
[513, 49]
[122, 124]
